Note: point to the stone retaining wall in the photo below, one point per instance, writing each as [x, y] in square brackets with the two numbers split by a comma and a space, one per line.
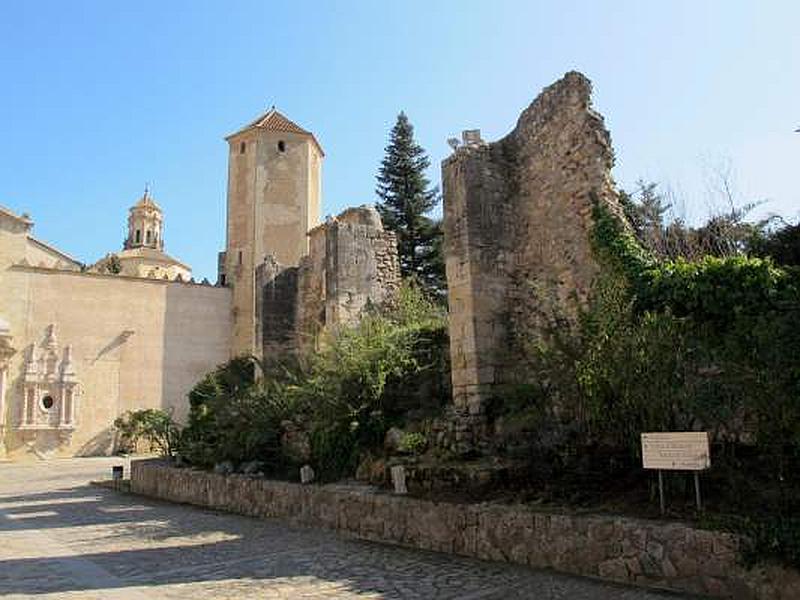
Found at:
[651, 553]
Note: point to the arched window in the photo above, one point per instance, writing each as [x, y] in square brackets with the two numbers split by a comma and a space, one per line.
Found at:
[138, 236]
[147, 235]
[281, 146]
[242, 148]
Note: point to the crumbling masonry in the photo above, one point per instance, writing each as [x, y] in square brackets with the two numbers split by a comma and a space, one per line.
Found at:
[517, 219]
[352, 262]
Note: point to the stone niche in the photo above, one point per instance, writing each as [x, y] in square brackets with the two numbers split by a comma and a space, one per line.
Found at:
[517, 221]
[50, 391]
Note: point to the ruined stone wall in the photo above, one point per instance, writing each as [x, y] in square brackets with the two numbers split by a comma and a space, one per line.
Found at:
[361, 264]
[311, 288]
[518, 236]
[276, 307]
[352, 263]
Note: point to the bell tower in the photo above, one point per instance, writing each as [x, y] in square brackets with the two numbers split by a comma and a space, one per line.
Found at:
[274, 196]
[145, 224]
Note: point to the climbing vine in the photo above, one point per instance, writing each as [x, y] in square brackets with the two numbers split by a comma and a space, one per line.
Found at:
[711, 289]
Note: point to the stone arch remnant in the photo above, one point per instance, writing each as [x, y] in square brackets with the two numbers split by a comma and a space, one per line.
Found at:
[518, 221]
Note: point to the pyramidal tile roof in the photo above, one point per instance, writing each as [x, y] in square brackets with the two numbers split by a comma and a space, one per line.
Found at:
[273, 120]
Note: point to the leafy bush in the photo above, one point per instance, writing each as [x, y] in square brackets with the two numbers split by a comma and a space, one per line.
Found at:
[346, 394]
[413, 443]
[366, 378]
[153, 426]
[664, 345]
[235, 417]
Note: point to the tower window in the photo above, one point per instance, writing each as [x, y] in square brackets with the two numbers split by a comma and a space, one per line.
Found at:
[242, 148]
[147, 236]
[47, 402]
[138, 236]
[281, 146]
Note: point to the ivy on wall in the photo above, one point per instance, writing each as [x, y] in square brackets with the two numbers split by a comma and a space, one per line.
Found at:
[711, 289]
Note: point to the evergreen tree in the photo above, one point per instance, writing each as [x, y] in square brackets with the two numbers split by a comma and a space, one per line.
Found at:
[405, 199]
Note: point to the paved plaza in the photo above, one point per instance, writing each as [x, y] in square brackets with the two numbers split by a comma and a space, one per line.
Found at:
[62, 538]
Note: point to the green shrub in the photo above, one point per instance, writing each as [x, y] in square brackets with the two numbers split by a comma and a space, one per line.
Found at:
[413, 443]
[235, 417]
[346, 394]
[367, 377]
[711, 344]
[152, 426]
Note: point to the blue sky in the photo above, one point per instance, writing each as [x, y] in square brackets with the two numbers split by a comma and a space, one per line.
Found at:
[100, 97]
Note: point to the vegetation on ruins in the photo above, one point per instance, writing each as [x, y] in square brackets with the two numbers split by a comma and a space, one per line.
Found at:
[687, 328]
[337, 401]
[406, 199]
[668, 343]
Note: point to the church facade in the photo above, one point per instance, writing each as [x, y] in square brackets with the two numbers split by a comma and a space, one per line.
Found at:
[81, 345]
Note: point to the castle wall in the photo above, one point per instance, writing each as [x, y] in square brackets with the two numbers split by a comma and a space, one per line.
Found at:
[518, 236]
[136, 343]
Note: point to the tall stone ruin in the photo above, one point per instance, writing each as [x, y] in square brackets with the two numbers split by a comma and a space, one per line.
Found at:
[352, 262]
[518, 222]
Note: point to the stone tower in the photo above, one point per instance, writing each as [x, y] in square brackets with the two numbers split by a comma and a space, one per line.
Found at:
[145, 224]
[274, 196]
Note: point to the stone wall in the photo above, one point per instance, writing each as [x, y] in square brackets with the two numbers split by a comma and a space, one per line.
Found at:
[517, 220]
[361, 264]
[276, 313]
[352, 262]
[651, 553]
[133, 343]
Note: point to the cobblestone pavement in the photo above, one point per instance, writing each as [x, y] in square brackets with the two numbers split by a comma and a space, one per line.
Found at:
[61, 538]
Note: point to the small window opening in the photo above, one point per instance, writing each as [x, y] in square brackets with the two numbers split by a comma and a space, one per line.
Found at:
[148, 236]
[240, 257]
[281, 146]
[138, 236]
[222, 280]
[47, 402]
[242, 148]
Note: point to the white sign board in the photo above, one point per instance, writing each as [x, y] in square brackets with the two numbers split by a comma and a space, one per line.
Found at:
[679, 451]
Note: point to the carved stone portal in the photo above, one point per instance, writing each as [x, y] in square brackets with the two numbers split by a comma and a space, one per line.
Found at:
[50, 389]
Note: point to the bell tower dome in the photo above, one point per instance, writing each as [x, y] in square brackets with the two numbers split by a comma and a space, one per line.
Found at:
[145, 224]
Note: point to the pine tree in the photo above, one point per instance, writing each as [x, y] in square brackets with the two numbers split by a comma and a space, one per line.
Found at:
[405, 199]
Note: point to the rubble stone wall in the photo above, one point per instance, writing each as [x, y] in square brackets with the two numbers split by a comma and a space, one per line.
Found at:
[352, 262]
[651, 553]
[517, 220]
[276, 306]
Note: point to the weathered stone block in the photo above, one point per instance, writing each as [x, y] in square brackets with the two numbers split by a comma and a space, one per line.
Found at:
[517, 216]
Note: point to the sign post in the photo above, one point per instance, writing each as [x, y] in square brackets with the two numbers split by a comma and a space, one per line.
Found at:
[676, 451]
